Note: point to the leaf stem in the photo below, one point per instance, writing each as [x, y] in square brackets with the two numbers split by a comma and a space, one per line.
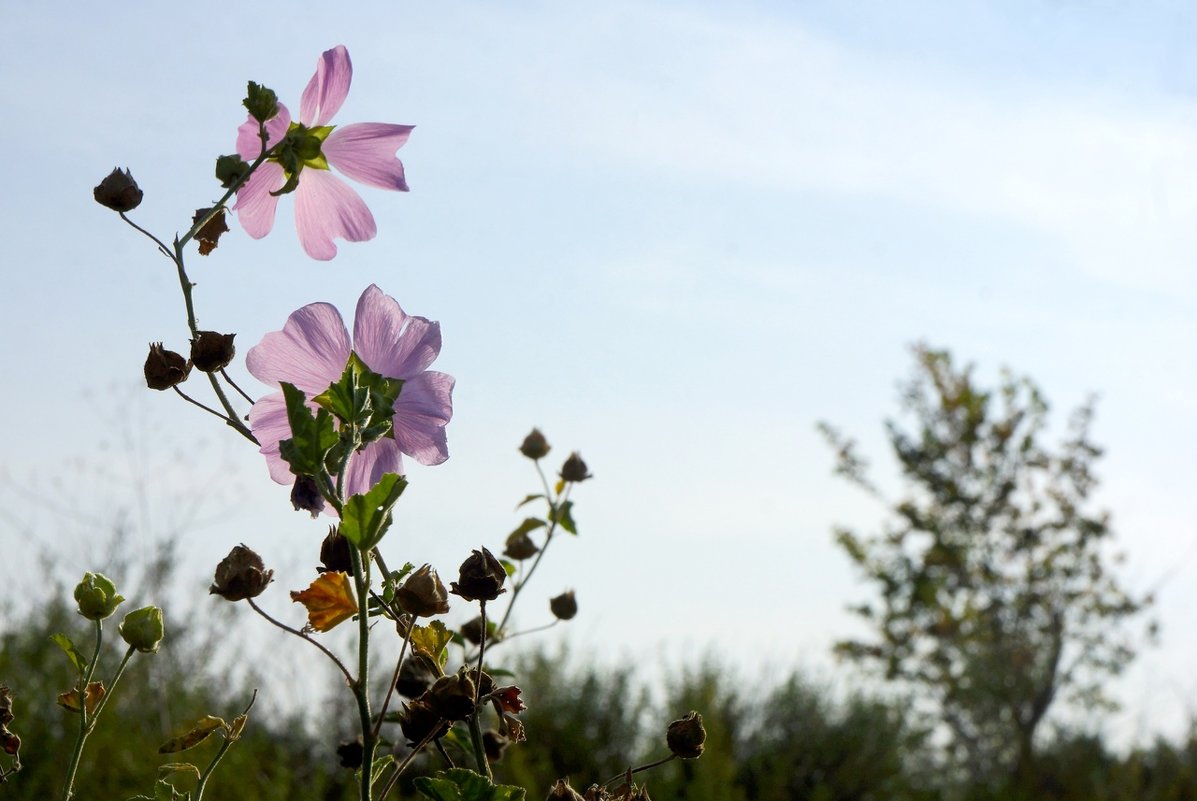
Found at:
[305, 638]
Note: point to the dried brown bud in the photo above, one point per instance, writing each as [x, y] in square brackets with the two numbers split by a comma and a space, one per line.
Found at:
[452, 697]
[596, 792]
[334, 554]
[574, 469]
[414, 678]
[240, 575]
[494, 744]
[118, 191]
[9, 742]
[480, 578]
[423, 594]
[564, 606]
[164, 368]
[520, 546]
[6, 715]
[472, 630]
[685, 737]
[350, 753]
[561, 791]
[212, 351]
[420, 723]
[535, 446]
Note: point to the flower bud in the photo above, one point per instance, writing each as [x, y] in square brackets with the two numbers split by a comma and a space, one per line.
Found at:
[494, 744]
[96, 596]
[472, 630]
[574, 469]
[350, 753]
[306, 497]
[230, 169]
[480, 578]
[118, 191]
[144, 629]
[685, 737]
[414, 678]
[564, 606]
[164, 368]
[334, 554]
[423, 594]
[520, 546]
[212, 351]
[561, 791]
[420, 723]
[535, 446]
[240, 575]
[452, 697]
[9, 742]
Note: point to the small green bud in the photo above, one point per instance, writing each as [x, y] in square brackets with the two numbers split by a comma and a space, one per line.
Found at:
[96, 596]
[144, 629]
[260, 102]
[230, 169]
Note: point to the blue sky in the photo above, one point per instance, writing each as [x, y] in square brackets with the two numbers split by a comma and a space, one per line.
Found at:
[673, 235]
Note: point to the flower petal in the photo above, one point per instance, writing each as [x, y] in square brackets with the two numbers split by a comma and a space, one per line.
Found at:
[255, 205]
[328, 88]
[422, 410]
[310, 352]
[326, 208]
[368, 466]
[388, 340]
[268, 421]
[365, 151]
[249, 146]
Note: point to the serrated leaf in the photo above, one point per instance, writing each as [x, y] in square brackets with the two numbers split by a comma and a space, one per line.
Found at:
[329, 600]
[165, 791]
[366, 518]
[380, 764]
[178, 767]
[459, 784]
[198, 732]
[77, 659]
[94, 693]
[529, 499]
[563, 516]
[312, 436]
[431, 639]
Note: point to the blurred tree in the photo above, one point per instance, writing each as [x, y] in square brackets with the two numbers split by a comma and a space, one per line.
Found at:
[995, 596]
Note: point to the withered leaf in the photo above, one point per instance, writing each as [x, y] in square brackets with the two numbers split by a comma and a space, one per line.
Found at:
[329, 601]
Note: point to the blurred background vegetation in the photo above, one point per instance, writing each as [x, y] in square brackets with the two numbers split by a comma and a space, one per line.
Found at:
[1027, 587]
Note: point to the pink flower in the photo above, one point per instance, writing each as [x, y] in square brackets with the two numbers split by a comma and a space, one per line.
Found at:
[325, 206]
[311, 351]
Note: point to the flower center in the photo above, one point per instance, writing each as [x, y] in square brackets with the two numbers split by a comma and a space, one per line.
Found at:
[301, 148]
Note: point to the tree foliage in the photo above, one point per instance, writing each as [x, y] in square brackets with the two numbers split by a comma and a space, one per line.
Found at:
[995, 594]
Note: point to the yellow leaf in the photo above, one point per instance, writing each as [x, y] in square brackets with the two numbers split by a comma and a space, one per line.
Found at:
[329, 601]
[193, 736]
[431, 639]
[70, 699]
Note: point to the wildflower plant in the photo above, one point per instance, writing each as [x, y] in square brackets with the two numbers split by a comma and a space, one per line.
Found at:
[342, 413]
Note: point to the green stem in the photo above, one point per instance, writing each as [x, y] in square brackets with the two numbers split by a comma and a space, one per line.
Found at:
[225, 746]
[68, 786]
[632, 771]
[304, 637]
[475, 727]
[116, 677]
[395, 677]
[361, 688]
[554, 506]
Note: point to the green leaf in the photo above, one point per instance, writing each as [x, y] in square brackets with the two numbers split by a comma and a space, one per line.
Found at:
[529, 500]
[530, 524]
[77, 659]
[508, 566]
[380, 764]
[366, 518]
[563, 516]
[362, 398]
[312, 436]
[178, 767]
[193, 736]
[165, 791]
[459, 784]
[431, 639]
